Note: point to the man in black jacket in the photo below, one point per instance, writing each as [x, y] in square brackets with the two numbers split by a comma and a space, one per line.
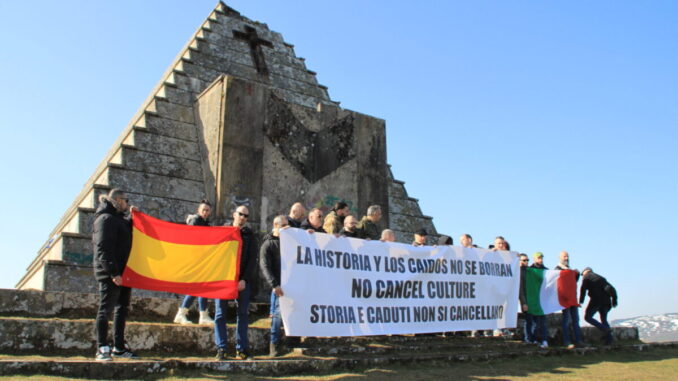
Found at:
[350, 228]
[112, 242]
[603, 298]
[269, 262]
[314, 221]
[248, 259]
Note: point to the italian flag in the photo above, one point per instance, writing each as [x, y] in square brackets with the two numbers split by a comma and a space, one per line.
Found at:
[549, 291]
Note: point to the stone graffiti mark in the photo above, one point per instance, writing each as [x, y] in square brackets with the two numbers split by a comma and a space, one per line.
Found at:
[327, 202]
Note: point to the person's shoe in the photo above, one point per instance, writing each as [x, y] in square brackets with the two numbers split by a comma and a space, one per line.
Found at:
[221, 354]
[242, 355]
[273, 350]
[570, 346]
[104, 354]
[124, 353]
[181, 317]
[205, 318]
[544, 344]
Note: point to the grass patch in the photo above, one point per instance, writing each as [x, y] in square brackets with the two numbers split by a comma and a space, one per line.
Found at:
[653, 364]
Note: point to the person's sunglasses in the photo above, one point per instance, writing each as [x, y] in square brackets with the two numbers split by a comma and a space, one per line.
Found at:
[243, 215]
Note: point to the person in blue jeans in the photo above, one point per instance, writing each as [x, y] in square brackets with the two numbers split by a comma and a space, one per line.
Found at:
[200, 218]
[603, 297]
[570, 314]
[269, 262]
[248, 260]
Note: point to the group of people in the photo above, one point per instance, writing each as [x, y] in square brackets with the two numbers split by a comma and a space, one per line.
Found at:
[602, 295]
[112, 238]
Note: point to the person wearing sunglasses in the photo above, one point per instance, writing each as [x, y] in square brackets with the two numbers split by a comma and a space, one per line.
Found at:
[248, 260]
[112, 243]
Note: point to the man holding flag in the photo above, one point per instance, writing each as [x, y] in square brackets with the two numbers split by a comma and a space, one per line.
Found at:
[248, 259]
[112, 242]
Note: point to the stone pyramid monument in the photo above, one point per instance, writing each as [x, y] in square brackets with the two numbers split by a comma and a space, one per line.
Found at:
[238, 119]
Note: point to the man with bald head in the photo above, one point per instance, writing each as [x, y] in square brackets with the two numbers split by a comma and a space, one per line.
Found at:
[350, 228]
[248, 260]
[314, 221]
[297, 215]
[570, 314]
[387, 235]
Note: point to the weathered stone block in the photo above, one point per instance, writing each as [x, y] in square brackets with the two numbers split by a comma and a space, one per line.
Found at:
[178, 96]
[169, 127]
[155, 185]
[410, 223]
[174, 111]
[165, 145]
[397, 190]
[154, 162]
[404, 206]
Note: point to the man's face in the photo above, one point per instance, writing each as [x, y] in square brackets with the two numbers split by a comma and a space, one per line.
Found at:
[204, 211]
[388, 237]
[420, 239]
[316, 218]
[298, 211]
[123, 202]
[564, 257]
[500, 244]
[539, 260]
[343, 212]
[376, 217]
[240, 216]
[524, 261]
[350, 223]
[466, 241]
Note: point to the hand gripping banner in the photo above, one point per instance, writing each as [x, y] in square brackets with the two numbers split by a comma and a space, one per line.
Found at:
[188, 260]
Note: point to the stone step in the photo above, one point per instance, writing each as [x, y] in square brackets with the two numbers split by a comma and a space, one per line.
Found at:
[266, 366]
[34, 335]
[71, 305]
[438, 344]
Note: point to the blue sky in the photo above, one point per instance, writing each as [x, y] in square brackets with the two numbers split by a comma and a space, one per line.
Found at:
[553, 124]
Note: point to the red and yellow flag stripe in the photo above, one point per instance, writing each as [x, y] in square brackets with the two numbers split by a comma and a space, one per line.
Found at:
[189, 260]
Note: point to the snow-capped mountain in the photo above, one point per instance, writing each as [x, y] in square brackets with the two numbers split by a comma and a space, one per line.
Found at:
[662, 327]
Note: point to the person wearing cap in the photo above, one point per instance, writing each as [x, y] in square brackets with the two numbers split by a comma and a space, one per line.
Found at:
[603, 299]
[569, 315]
[540, 334]
[420, 237]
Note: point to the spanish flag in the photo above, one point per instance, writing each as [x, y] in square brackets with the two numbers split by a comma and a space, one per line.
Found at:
[188, 260]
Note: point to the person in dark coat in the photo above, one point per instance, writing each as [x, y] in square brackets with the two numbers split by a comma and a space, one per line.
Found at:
[248, 260]
[297, 215]
[112, 243]
[200, 218]
[603, 299]
[350, 228]
[314, 221]
[269, 262]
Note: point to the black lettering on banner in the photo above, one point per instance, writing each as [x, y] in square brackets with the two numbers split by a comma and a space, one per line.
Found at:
[377, 262]
[361, 288]
[424, 314]
[471, 267]
[325, 314]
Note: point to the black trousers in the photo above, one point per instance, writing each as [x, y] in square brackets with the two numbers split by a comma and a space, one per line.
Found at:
[112, 297]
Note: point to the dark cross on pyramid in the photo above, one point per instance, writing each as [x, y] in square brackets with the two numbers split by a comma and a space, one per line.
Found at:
[251, 37]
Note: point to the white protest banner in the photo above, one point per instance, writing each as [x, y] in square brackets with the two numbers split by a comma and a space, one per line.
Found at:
[353, 287]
